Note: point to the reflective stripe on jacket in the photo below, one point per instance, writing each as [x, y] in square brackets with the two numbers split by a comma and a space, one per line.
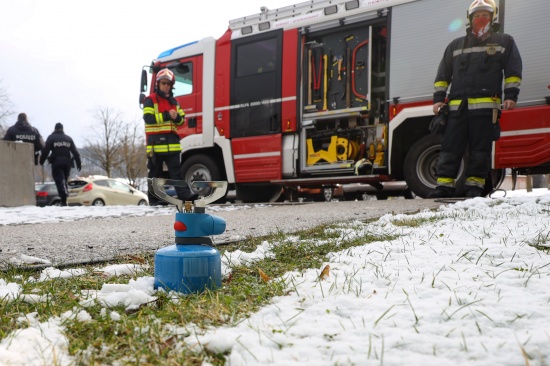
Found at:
[160, 129]
[476, 103]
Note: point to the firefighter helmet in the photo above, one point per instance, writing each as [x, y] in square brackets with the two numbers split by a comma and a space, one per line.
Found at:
[165, 74]
[488, 5]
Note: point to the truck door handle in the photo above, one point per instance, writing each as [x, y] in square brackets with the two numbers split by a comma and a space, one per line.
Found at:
[192, 122]
[273, 123]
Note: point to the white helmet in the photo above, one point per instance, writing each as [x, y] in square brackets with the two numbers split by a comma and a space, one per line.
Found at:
[488, 5]
[166, 75]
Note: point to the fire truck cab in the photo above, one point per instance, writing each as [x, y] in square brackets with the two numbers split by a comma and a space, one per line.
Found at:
[329, 92]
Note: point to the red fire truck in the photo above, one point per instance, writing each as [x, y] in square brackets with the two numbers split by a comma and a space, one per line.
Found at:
[330, 92]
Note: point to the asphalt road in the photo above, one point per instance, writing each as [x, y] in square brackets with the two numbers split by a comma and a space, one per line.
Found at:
[101, 239]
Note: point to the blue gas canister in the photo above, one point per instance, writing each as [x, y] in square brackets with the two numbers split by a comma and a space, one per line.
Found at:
[188, 268]
[192, 265]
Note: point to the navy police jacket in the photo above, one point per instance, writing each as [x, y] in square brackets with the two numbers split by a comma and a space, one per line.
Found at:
[61, 148]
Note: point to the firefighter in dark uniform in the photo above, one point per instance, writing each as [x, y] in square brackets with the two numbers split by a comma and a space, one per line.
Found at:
[162, 115]
[63, 151]
[476, 64]
[23, 131]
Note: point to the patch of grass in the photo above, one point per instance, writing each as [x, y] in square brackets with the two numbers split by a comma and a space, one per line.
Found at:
[414, 222]
[155, 332]
[541, 241]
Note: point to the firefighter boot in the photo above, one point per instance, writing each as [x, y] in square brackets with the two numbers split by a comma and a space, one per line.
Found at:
[442, 192]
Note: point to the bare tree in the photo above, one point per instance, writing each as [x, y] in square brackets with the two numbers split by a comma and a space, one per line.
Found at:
[132, 150]
[104, 147]
[5, 110]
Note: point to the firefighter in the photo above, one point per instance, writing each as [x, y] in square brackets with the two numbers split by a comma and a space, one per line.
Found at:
[476, 65]
[162, 115]
[61, 147]
[23, 131]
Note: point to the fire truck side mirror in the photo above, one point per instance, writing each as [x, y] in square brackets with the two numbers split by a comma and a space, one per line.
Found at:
[181, 68]
[143, 81]
[141, 99]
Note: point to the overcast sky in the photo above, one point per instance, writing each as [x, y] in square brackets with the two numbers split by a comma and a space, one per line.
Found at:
[62, 59]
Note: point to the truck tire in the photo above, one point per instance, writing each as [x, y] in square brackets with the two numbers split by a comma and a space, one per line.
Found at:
[420, 167]
[200, 168]
[258, 192]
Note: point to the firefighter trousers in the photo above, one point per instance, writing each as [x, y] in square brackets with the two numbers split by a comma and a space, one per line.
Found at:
[474, 132]
[172, 161]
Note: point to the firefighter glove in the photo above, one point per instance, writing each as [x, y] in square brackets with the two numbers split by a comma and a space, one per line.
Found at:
[439, 122]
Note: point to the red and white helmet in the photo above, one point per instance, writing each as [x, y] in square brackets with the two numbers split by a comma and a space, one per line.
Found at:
[488, 5]
[166, 75]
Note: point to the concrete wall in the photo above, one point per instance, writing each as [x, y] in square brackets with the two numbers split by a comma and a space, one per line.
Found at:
[17, 174]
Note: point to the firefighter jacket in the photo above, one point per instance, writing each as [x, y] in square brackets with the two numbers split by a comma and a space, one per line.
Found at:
[23, 131]
[160, 129]
[476, 67]
[61, 147]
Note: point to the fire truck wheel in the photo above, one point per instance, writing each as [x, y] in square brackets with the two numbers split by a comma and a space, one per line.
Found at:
[421, 163]
[200, 168]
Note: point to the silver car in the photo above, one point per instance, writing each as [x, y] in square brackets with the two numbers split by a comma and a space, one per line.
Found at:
[103, 191]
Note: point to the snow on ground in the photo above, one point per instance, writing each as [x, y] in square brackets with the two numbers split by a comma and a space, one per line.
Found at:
[50, 214]
[468, 287]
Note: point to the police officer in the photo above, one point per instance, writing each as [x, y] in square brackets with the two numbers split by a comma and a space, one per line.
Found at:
[476, 64]
[61, 147]
[162, 115]
[23, 131]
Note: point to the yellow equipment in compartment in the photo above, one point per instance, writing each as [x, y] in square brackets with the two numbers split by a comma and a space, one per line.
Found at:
[339, 149]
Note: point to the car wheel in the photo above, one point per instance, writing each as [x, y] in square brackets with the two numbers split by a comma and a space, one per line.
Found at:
[142, 203]
[98, 202]
[328, 194]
